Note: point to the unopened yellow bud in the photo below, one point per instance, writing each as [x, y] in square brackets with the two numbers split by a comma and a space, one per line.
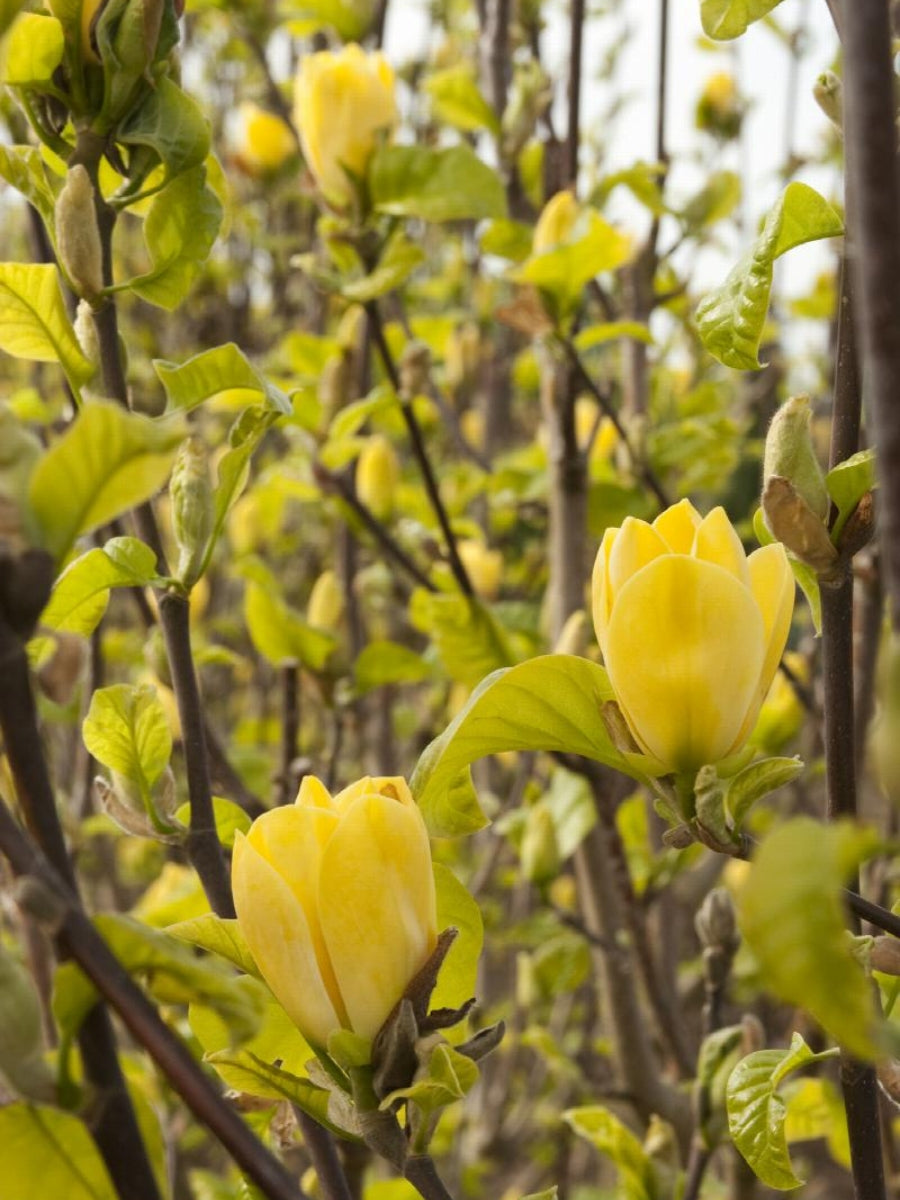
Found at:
[326, 602]
[77, 235]
[265, 141]
[484, 567]
[335, 898]
[691, 630]
[343, 103]
[556, 222]
[720, 109]
[377, 475]
[540, 849]
[828, 92]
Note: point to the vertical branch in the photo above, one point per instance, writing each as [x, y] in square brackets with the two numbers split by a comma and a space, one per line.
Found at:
[290, 729]
[326, 1163]
[576, 36]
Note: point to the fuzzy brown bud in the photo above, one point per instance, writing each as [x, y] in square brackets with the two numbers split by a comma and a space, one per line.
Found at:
[77, 234]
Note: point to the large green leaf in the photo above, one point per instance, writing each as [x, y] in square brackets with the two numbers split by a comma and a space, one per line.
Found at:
[792, 917]
[179, 230]
[277, 1041]
[548, 703]
[730, 318]
[106, 462]
[34, 323]
[171, 970]
[171, 124]
[48, 1152]
[435, 185]
[727, 19]
[80, 595]
[457, 909]
[208, 374]
[467, 636]
[32, 50]
[219, 936]
[611, 1137]
[127, 730]
[756, 1112]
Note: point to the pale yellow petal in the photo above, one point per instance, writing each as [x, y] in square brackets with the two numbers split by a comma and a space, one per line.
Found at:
[275, 929]
[394, 787]
[677, 526]
[600, 593]
[685, 652]
[716, 541]
[377, 906]
[637, 544]
[314, 793]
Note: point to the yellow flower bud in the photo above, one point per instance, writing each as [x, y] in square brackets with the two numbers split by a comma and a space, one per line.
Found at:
[484, 567]
[342, 103]
[265, 142]
[555, 222]
[539, 851]
[606, 437]
[691, 630]
[720, 109]
[335, 898]
[377, 473]
[326, 602]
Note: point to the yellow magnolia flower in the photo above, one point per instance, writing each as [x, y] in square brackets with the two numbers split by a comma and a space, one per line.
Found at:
[691, 630]
[342, 102]
[484, 567]
[335, 898]
[265, 142]
[555, 222]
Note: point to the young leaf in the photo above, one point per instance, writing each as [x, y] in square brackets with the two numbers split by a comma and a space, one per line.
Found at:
[548, 703]
[456, 909]
[106, 462]
[219, 936]
[847, 483]
[727, 19]
[380, 663]
[607, 1134]
[791, 915]
[568, 267]
[730, 318]
[23, 168]
[48, 1152]
[250, 1074]
[171, 124]
[281, 635]
[229, 817]
[32, 50]
[755, 781]
[34, 323]
[466, 635]
[208, 374]
[126, 729]
[435, 185]
[756, 1112]
[456, 99]
[277, 1041]
[80, 595]
[397, 263]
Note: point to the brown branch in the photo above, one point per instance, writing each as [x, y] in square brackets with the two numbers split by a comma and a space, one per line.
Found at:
[573, 129]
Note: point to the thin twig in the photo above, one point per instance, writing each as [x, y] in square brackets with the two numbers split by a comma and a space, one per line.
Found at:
[320, 1145]
[290, 728]
[422, 1174]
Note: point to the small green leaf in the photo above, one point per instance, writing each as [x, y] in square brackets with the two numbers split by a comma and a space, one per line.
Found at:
[381, 663]
[48, 1152]
[80, 595]
[450, 1075]
[179, 230]
[730, 318]
[550, 1193]
[435, 185]
[456, 100]
[458, 910]
[567, 268]
[126, 729]
[755, 781]
[397, 263]
[641, 179]
[756, 1112]
[548, 703]
[280, 634]
[250, 1074]
[727, 19]
[507, 239]
[717, 199]
[34, 323]
[23, 168]
[219, 936]
[791, 914]
[171, 124]
[208, 374]
[229, 817]
[106, 462]
[32, 50]
[612, 331]
[847, 483]
[348, 18]
[611, 1137]
[468, 638]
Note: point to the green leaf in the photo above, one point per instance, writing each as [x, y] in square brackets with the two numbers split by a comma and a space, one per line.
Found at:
[23, 168]
[9, 10]
[380, 663]
[791, 914]
[106, 462]
[250, 1074]
[730, 319]
[219, 936]
[507, 239]
[756, 1112]
[641, 179]
[127, 730]
[727, 19]
[717, 199]
[755, 781]
[277, 1041]
[80, 595]
[397, 263]
[34, 323]
[171, 970]
[179, 231]
[611, 1137]
[449, 1076]
[550, 1193]
[847, 483]
[171, 124]
[208, 374]
[548, 703]
[279, 633]
[48, 1152]
[348, 18]
[229, 817]
[435, 185]
[455, 99]
[466, 635]
[567, 268]
[457, 909]
[32, 50]
[612, 331]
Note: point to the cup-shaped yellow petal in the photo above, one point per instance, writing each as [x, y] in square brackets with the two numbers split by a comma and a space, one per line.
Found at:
[677, 526]
[716, 541]
[601, 596]
[685, 652]
[637, 544]
[343, 102]
[377, 905]
[556, 222]
[275, 928]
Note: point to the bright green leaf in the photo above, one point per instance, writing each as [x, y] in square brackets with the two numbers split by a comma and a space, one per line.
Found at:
[127, 730]
[80, 595]
[642, 180]
[32, 50]
[754, 782]
[611, 331]
[611, 1137]
[397, 263]
[171, 124]
[466, 635]
[507, 239]
[229, 817]
[456, 100]
[106, 462]
[23, 168]
[727, 19]
[280, 634]
[568, 267]
[48, 1152]
[792, 917]
[381, 663]
[848, 482]
[34, 323]
[435, 185]
[250, 1074]
[208, 374]
[717, 199]
[457, 909]
[277, 1042]
[730, 318]
[219, 936]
